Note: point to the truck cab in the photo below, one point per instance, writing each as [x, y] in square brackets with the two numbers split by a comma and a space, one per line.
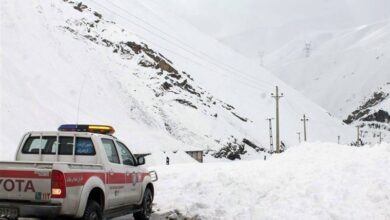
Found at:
[79, 171]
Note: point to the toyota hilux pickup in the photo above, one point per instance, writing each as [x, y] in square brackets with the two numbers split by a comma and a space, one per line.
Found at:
[79, 171]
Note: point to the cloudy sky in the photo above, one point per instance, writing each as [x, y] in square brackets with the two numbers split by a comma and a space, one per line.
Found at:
[222, 18]
[253, 27]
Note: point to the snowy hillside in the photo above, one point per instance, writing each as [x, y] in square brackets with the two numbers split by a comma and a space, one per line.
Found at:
[312, 181]
[352, 64]
[263, 26]
[162, 84]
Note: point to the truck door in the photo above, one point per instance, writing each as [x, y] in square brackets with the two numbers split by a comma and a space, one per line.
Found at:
[116, 176]
[133, 184]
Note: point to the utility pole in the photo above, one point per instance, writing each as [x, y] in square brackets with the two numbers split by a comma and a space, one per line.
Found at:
[271, 142]
[307, 49]
[358, 136]
[277, 97]
[299, 136]
[338, 139]
[304, 127]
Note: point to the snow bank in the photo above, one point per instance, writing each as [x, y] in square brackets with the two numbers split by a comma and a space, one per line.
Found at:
[312, 181]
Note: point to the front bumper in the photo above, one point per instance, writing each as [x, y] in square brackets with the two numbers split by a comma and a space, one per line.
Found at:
[31, 209]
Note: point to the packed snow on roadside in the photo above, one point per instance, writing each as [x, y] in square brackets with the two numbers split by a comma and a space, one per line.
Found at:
[310, 181]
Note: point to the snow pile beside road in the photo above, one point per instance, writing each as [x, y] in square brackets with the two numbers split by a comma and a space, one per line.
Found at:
[311, 181]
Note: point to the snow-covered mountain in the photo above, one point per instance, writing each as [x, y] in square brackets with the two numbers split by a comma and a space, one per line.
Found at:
[346, 72]
[161, 83]
[255, 27]
[275, 33]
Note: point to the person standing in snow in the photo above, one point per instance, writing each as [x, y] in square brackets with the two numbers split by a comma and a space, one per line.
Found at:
[167, 160]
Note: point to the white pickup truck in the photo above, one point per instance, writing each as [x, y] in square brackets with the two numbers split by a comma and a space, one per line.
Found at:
[79, 171]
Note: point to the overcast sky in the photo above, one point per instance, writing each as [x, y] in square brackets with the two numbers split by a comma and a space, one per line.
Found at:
[221, 18]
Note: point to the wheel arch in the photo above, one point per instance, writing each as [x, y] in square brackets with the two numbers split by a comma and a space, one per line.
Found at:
[93, 189]
[151, 187]
[97, 195]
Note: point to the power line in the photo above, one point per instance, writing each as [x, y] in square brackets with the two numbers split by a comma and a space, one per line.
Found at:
[243, 75]
[292, 107]
[177, 40]
[79, 101]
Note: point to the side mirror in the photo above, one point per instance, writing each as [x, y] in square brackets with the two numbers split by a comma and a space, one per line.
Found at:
[141, 160]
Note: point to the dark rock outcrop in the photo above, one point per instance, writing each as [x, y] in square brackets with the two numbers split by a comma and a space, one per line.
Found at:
[364, 112]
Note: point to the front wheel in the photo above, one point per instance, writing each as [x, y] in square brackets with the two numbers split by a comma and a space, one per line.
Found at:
[147, 203]
[92, 211]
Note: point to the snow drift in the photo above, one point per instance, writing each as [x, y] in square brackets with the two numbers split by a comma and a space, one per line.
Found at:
[311, 181]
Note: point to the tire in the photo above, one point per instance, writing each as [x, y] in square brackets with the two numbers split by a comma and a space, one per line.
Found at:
[147, 202]
[93, 211]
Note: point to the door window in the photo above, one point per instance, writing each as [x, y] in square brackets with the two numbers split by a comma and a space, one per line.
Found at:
[127, 157]
[110, 149]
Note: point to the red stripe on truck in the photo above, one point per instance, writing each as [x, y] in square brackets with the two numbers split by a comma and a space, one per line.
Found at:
[116, 178]
[74, 179]
[79, 179]
[25, 174]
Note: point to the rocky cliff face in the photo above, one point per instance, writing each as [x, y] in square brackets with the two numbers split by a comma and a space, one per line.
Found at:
[373, 115]
[160, 75]
[365, 112]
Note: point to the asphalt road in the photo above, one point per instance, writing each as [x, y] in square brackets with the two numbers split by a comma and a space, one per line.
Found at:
[153, 217]
[125, 217]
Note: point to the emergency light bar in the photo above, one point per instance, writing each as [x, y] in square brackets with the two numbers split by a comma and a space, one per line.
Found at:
[100, 129]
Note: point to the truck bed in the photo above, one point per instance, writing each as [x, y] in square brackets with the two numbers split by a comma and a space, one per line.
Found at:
[31, 181]
[27, 181]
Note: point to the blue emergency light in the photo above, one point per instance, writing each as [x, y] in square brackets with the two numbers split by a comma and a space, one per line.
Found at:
[100, 129]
